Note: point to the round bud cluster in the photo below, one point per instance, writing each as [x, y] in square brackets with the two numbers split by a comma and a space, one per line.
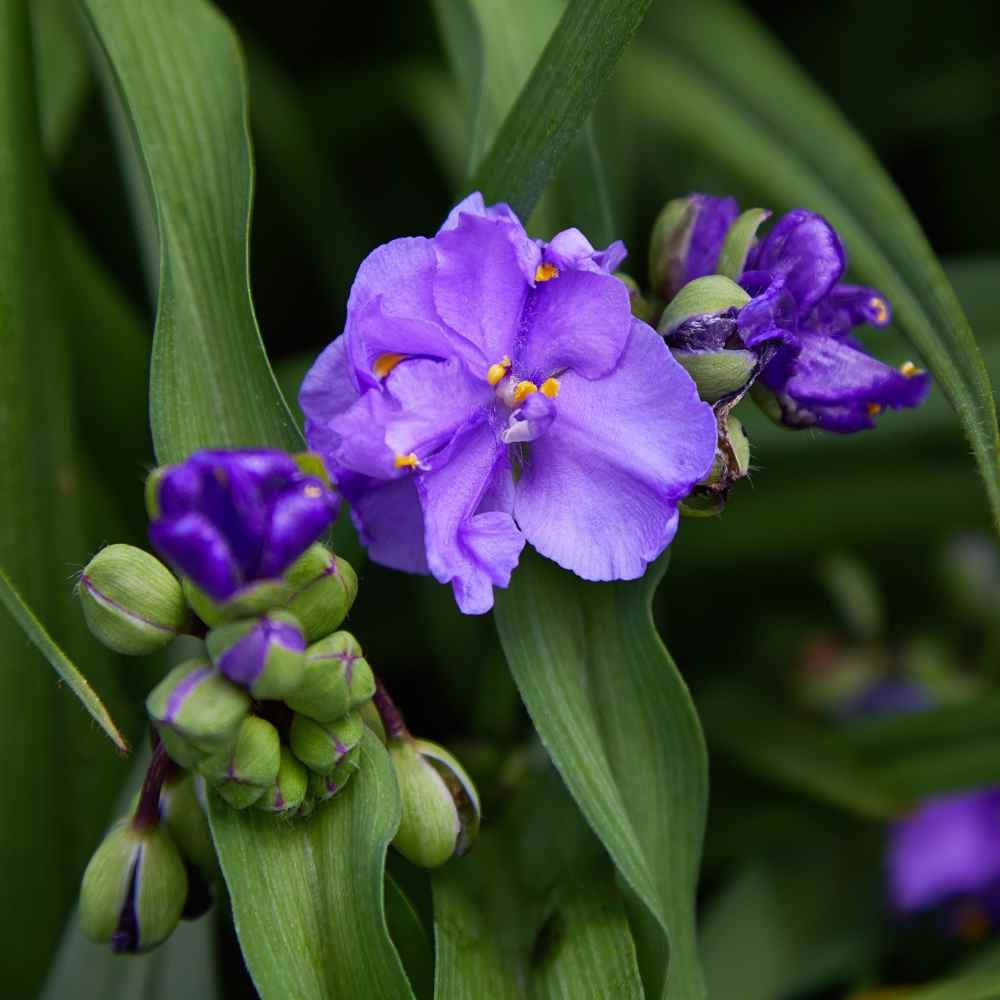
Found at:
[269, 714]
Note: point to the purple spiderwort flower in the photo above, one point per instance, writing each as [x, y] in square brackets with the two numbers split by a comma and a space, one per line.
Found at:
[227, 519]
[490, 389]
[811, 371]
[946, 853]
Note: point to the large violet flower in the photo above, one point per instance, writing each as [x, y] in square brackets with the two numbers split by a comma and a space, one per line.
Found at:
[491, 389]
[227, 519]
[794, 322]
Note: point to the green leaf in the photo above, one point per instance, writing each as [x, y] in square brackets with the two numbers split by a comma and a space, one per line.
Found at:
[556, 101]
[534, 910]
[179, 73]
[410, 937]
[719, 81]
[307, 893]
[59, 661]
[617, 720]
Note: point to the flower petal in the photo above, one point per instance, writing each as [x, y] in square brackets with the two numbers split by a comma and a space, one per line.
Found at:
[472, 549]
[577, 320]
[389, 519]
[485, 270]
[805, 248]
[834, 385]
[712, 220]
[473, 204]
[570, 249]
[949, 847]
[299, 516]
[197, 549]
[599, 492]
[327, 391]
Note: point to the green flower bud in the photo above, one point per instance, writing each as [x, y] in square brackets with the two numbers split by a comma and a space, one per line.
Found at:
[198, 704]
[131, 601]
[731, 464]
[740, 237]
[668, 246]
[289, 789]
[441, 812]
[337, 679]
[708, 296]
[179, 749]
[249, 602]
[245, 771]
[718, 374]
[324, 587]
[133, 889]
[152, 494]
[371, 718]
[321, 746]
[325, 786]
[183, 816]
[265, 655]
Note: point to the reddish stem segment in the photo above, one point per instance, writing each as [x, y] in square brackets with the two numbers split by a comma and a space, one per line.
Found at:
[392, 718]
[147, 813]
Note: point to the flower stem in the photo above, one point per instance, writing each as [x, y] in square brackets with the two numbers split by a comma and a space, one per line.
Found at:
[147, 813]
[392, 718]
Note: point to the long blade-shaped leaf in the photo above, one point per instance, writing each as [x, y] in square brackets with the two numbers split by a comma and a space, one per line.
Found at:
[617, 720]
[307, 894]
[60, 662]
[180, 76]
[557, 100]
[720, 81]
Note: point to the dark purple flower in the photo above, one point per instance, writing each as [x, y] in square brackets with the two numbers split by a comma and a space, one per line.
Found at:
[811, 371]
[490, 389]
[229, 518]
[888, 696]
[947, 853]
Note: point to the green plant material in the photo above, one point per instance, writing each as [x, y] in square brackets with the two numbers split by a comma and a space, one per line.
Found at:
[533, 911]
[59, 661]
[556, 101]
[210, 381]
[410, 938]
[739, 240]
[617, 720]
[52, 777]
[63, 77]
[307, 894]
[855, 595]
[719, 81]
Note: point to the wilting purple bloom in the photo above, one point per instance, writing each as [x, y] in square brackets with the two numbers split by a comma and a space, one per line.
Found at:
[947, 852]
[490, 389]
[798, 324]
[229, 518]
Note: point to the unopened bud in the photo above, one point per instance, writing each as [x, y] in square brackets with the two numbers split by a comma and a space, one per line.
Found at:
[242, 773]
[371, 718]
[290, 786]
[440, 805]
[337, 679]
[324, 587]
[263, 655]
[326, 786]
[686, 241]
[731, 464]
[321, 746]
[131, 601]
[198, 704]
[183, 815]
[641, 308]
[133, 889]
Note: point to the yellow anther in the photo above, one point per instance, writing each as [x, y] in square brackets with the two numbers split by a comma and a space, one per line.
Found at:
[313, 492]
[908, 369]
[523, 390]
[385, 363]
[550, 388]
[406, 461]
[881, 312]
[545, 272]
[496, 372]
[873, 409]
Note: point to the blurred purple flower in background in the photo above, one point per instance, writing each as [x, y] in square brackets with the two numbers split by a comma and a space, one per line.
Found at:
[227, 519]
[491, 389]
[798, 322]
